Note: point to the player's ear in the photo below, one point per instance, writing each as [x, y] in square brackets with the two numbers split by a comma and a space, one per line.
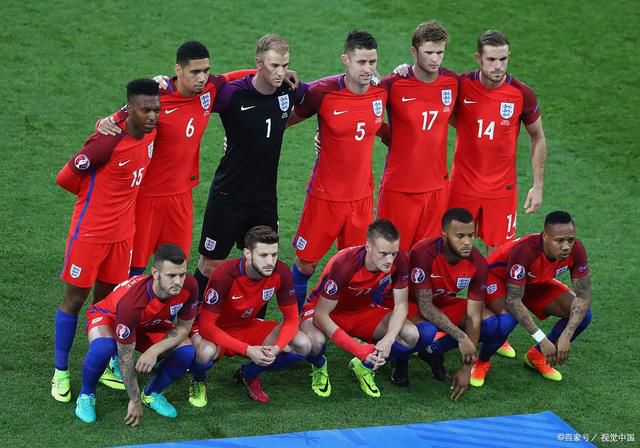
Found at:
[345, 59]
[246, 251]
[478, 57]
[178, 70]
[414, 53]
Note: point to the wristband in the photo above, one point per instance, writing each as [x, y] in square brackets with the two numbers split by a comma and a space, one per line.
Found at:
[539, 336]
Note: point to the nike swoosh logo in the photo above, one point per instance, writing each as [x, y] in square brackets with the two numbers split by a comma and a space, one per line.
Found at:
[236, 297]
[123, 163]
[466, 101]
[325, 388]
[531, 275]
[340, 112]
[372, 389]
[405, 99]
[510, 236]
[170, 111]
[242, 108]
[436, 276]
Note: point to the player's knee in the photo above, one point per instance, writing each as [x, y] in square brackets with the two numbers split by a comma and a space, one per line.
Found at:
[307, 268]
[207, 265]
[205, 351]
[409, 335]
[317, 340]
[301, 344]
[74, 300]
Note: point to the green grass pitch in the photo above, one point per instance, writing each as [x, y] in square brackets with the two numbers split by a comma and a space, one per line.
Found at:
[64, 63]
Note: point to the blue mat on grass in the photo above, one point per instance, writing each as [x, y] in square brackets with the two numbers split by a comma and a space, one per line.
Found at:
[516, 431]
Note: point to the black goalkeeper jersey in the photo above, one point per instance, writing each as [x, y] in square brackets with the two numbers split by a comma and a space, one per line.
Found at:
[254, 125]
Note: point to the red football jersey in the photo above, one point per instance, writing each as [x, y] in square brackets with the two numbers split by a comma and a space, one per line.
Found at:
[418, 115]
[238, 298]
[135, 307]
[181, 125]
[487, 128]
[346, 279]
[109, 170]
[348, 125]
[430, 269]
[522, 262]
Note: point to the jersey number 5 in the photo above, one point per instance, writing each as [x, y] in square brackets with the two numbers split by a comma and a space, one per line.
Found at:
[360, 131]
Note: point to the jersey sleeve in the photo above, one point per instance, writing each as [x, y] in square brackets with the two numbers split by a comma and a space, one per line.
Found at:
[286, 293]
[478, 284]
[310, 103]
[580, 266]
[190, 308]
[96, 151]
[237, 74]
[420, 263]
[217, 289]
[400, 278]
[337, 278]
[518, 262]
[128, 312]
[530, 108]
[288, 305]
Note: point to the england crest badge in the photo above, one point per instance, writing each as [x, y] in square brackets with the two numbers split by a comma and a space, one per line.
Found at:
[283, 100]
[150, 150]
[377, 108]
[506, 110]
[446, 97]
[205, 101]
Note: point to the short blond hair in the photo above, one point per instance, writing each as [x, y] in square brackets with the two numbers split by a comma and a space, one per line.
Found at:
[273, 42]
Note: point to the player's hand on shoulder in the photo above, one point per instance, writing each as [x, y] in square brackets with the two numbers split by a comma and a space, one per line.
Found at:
[134, 413]
[563, 347]
[146, 362]
[402, 70]
[460, 382]
[108, 126]
[163, 81]
[292, 79]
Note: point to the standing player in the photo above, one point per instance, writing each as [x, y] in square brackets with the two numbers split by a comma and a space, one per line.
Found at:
[228, 323]
[414, 188]
[440, 269]
[339, 201]
[105, 175]
[522, 280]
[254, 112]
[164, 211]
[491, 105]
[346, 303]
[137, 315]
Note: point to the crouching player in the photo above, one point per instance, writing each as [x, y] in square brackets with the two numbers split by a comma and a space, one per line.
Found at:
[347, 301]
[440, 269]
[137, 315]
[227, 324]
[522, 280]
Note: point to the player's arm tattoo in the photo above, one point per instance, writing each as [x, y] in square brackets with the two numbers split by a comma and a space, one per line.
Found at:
[517, 309]
[171, 333]
[580, 304]
[128, 371]
[430, 312]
